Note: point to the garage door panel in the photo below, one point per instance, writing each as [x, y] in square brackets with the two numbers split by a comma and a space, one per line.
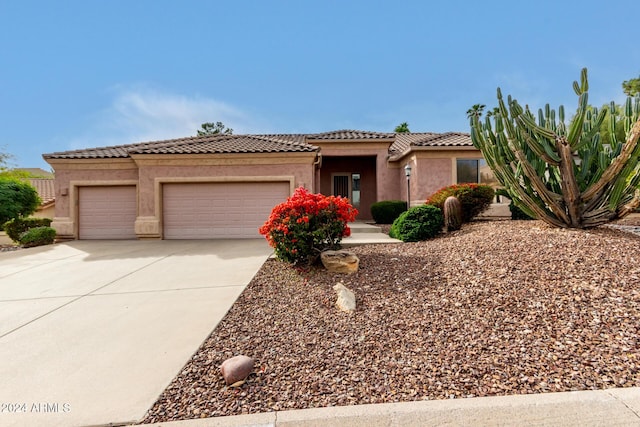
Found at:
[107, 212]
[219, 210]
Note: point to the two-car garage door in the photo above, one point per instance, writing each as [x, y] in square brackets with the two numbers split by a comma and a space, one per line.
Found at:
[220, 209]
[189, 210]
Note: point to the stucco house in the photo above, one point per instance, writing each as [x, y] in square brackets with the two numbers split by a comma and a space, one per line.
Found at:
[46, 190]
[224, 186]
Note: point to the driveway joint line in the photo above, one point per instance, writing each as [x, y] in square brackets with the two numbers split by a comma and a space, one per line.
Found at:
[38, 298]
[624, 403]
[191, 288]
[84, 295]
[38, 265]
[194, 288]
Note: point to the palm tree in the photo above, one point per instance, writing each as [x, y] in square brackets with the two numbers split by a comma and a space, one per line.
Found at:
[475, 111]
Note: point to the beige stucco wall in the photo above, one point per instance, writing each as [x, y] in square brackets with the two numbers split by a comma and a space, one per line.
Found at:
[296, 169]
[431, 170]
[48, 212]
[149, 172]
[70, 174]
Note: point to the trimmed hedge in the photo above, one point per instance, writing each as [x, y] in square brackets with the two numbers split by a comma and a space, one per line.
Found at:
[474, 198]
[38, 236]
[418, 223]
[386, 211]
[17, 226]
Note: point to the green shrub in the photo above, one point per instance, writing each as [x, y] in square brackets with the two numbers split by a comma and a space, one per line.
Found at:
[17, 198]
[474, 198]
[38, 236]
[386, 211]
[17, 226]
[418, 223]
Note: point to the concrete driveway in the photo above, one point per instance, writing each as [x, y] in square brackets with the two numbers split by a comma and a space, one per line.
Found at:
[91, 332]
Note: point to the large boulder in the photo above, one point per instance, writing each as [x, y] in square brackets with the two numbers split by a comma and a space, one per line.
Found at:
[340, 261]
[346, 298]
[236, 369]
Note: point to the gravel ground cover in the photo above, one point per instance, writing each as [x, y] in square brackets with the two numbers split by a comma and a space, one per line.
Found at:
[497, 308]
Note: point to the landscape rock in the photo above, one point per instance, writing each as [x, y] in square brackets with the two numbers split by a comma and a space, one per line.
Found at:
[346, 298]
[236, 369]
[340, 261]
[539, 310]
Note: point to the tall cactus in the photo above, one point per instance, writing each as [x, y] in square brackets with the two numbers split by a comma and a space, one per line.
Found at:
[563, 174]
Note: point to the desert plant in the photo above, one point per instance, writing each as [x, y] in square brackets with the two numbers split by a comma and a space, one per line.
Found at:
[418, 223]
[386, 211]
[38, 236]
[17, 226]
[307, 224]
[452, 213]
[516, 212]
[474, 198]
[563, 174]
[17, 198]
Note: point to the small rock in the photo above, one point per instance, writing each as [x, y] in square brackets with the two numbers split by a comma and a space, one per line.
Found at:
[236, 369]
[340, 261]
[346, 298]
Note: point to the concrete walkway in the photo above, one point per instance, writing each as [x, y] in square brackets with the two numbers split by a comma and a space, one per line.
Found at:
[614, 407]
[366, 234]
[92, 332]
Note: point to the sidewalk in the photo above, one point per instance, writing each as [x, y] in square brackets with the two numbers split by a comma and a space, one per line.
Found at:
[366, 234]
[613, 407]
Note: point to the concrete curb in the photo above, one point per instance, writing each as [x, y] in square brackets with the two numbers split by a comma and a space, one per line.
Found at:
[619, 407]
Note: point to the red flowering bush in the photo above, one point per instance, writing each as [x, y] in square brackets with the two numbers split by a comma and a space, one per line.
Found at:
[306, 224]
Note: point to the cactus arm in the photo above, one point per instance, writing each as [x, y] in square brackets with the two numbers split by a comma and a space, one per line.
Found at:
[548, 197]
[575, 130]
[617, 164]
[541, 148]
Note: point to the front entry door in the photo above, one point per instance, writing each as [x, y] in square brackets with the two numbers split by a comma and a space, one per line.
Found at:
[347, 185]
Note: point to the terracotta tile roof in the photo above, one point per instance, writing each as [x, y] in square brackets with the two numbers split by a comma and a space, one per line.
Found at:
[207, 144]
[405, 141]
[112, 152]
[232, 144]
[272, 143]
[350, 134]
[45, 189]
[36, 172]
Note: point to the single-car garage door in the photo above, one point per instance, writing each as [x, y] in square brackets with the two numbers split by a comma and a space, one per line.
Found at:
[107, 212]
[219, 210]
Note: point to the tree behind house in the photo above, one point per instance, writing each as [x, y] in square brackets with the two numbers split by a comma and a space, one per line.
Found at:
[563, 174]
[214, 129]
[631, 87]
[402, 128]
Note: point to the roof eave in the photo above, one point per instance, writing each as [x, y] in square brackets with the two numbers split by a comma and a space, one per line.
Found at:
[398, 156]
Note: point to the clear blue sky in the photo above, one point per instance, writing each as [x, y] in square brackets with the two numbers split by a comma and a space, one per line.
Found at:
[77, 74]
